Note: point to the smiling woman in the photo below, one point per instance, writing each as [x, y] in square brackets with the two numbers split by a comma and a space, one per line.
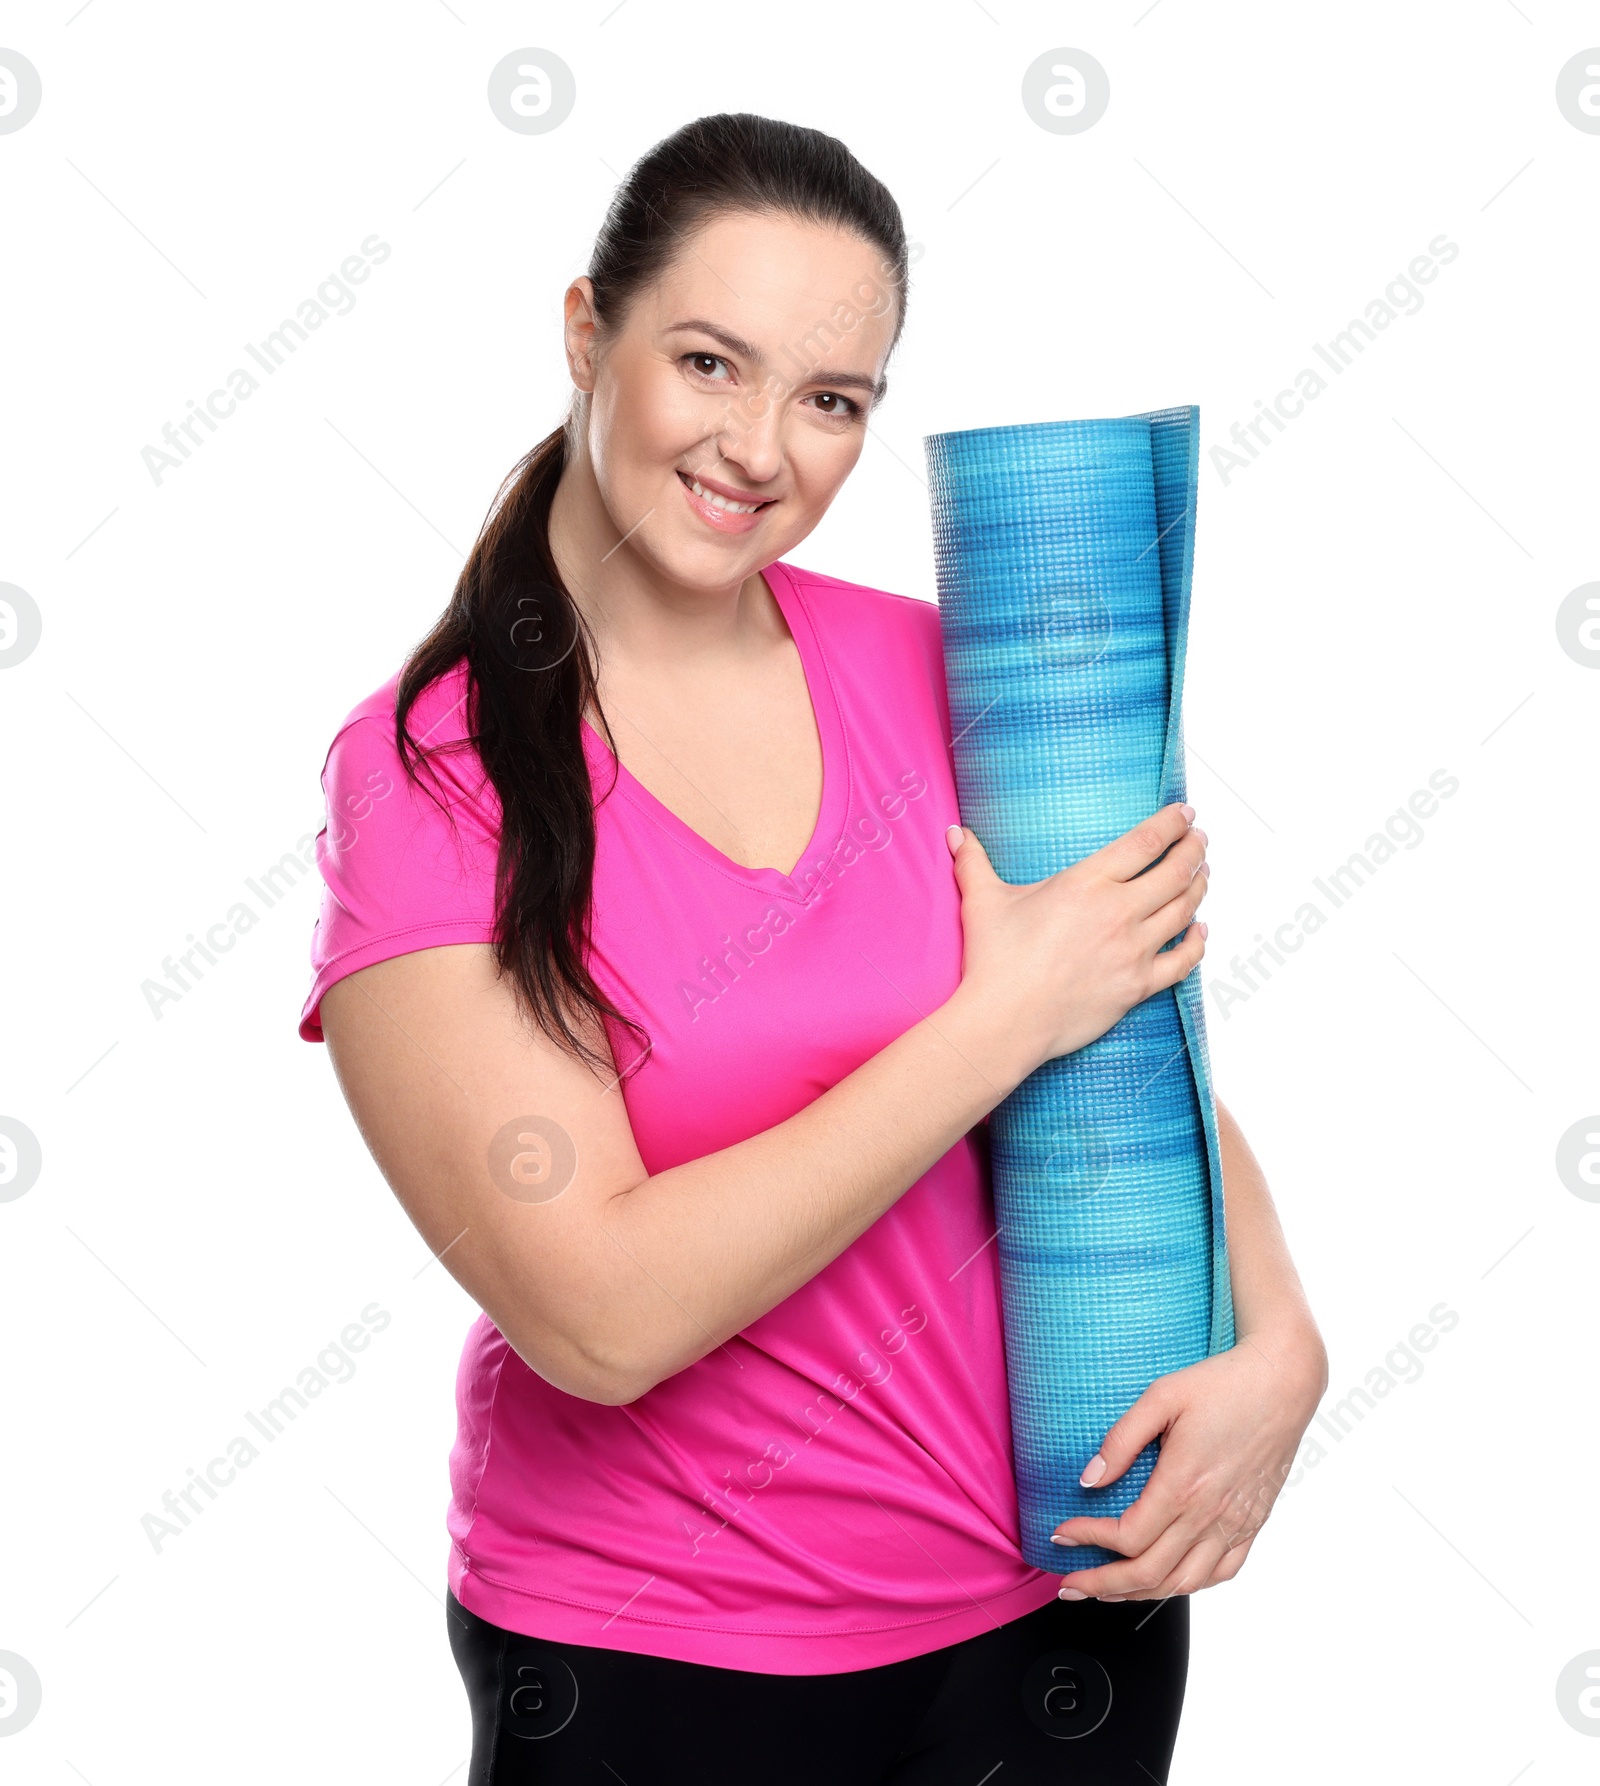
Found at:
[638, 728]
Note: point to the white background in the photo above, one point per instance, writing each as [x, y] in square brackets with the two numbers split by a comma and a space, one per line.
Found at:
[1375, 600]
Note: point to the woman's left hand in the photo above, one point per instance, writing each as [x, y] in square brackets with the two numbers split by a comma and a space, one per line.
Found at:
[1229, 1428]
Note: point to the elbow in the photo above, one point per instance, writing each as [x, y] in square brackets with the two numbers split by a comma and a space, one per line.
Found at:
[589, 1383]
[613, 1368]
[587, 1338]
[619, 1393]
[609, 1382]
[622, 1356]
[584, 1368]
[618, 1382]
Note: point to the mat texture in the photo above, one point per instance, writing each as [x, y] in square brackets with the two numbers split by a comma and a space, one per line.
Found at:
[1064, 553]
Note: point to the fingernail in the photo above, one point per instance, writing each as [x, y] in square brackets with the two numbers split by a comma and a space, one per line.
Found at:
[1112, 1599]
[1093, 1471]
[952, 837]
[1188, 813]
[1204, 929]
[1056, 1538]
[1072, 1594]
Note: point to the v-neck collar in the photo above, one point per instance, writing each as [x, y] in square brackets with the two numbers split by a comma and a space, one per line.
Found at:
[787, 592]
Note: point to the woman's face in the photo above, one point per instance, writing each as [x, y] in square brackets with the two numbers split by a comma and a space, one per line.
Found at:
[745, 374]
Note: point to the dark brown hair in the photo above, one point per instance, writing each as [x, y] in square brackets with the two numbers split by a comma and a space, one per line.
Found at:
[530, 661]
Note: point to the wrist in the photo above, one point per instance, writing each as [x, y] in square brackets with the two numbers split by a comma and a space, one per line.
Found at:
[1293, 1346]
[989, 1038]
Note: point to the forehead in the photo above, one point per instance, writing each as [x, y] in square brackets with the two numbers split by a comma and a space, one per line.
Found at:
[770, 278]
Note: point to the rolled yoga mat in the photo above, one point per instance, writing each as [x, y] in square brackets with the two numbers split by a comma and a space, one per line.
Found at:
[1064, 553]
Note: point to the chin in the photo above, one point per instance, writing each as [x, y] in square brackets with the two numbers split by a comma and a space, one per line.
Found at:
[688, 553]
[712, 564]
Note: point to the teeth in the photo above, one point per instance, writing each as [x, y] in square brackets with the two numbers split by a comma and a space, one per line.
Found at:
[722, 502]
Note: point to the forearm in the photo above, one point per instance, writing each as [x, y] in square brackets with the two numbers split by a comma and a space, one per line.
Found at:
[1270, 1308]
[704, 1249]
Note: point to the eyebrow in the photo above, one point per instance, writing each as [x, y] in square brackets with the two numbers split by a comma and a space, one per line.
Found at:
[850, 381]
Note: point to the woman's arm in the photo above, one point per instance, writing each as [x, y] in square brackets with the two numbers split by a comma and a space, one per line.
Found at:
[1270, 1311]
[627, 1277]
[1229, 1426]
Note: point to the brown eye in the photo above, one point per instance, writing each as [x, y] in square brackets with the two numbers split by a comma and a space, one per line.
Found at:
[706, 364]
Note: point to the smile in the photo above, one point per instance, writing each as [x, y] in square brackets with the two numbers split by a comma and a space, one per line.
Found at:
[724, 502]
[721, 510]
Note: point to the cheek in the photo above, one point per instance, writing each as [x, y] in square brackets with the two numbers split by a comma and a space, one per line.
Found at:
[641, 421]
[820, 461]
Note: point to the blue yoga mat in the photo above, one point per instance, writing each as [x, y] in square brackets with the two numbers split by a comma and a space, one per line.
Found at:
[1064, 553]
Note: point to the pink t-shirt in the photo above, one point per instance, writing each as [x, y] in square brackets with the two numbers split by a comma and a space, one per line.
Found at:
[833, 1487]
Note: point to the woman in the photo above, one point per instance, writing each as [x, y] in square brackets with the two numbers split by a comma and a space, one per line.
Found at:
[672, 1014]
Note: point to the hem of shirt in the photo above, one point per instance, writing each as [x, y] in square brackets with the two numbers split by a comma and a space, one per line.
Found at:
[516, 1608]
[377, 948]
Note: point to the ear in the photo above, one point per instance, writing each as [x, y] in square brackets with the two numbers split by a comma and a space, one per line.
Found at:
[581, 328]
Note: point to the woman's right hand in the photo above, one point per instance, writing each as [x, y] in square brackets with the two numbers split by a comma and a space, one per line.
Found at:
[1065, 958]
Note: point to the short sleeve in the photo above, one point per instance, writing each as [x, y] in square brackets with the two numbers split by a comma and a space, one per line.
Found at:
[405, 865]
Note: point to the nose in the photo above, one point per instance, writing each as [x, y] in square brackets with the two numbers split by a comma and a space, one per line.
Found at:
[750, 440]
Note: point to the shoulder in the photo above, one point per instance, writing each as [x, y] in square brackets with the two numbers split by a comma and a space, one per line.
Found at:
[438, 715]
[365, 744]
[396, 805]
[838, 593]
[860, 614]
[407, 859]
[885, 651]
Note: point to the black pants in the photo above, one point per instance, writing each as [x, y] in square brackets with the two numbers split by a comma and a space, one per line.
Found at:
[1075, 1691]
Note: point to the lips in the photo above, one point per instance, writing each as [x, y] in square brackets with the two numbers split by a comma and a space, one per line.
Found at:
[720, 507]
